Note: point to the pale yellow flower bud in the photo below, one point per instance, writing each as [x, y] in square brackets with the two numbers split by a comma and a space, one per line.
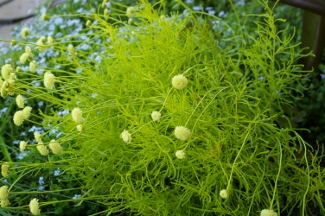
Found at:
[40, 44]
[23, 58]
[23, 146]
[34, 207]
[182, 133]
[13, 42]
[5, 169]
[6, 70]
[27, 111]
[130, 21]
[42, 149]
[19, 118]
[32, 66]
[50, 40]
[80, 127]
[49, 80]
[179, 81]
[155, 115]
[24, 32]
[71, 49]
[130, 11]
[44, 17]
[38, 137]
[20, 101]
[106, 14]
[5, 203]
[18, 69]
[180, 154]
[266, 212]
[55, 147]
[126, 136]
[88, 23]
[224, 194]
[4, 193]
[29, 51]
[76, 114]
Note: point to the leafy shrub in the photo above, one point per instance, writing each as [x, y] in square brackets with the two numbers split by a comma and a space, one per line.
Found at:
[168, 115]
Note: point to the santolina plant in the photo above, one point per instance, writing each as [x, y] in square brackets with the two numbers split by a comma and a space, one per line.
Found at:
[177, 116]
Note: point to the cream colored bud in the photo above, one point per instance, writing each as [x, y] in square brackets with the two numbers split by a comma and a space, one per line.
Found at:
[126, 136]
[20, 101]
[32, 66]
[24, 32]
[19, 118]
[6, 70]
[179, 81]
[5, 169]
[180, 154]
[76, 114]
[4, 203]
[34, 207]
[4, 193]
[42, 149]
[130, 11]
[26, 112]
[44, 17]
[182, 133]
[23, 58]
[224, 194]
[50, 40]
[88, 23]
[40, 44]
[49, 80]
[80, 127]
[23, 146]
[38, 137]
[155, 115]
[55, 147]
[13, 42]
[29, 51]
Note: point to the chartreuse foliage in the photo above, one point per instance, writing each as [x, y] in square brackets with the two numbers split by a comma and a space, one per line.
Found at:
[177, 116]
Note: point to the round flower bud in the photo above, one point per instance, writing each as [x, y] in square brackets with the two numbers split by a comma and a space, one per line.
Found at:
[130, 11]
[27, 111]
[4, 203]
[23, 146]
[266, 212]
[34, 207]
[179, 81]
[44, 17]
[182, 133]
[38, 137]
[88, 23]
[19, 118]
[55, 147]
[76, 114]
[155, 115]
[71, 49]
[20, 101]
[80, 127]
[49, 80]
[40, 44]
[23, 58]
[50, 40]
[6, 70]
[24, 32]
[126, 136]
[5, 169]
[28, 50]
[180, 154]
[42, 149]
[106, 14]
[224, 194]
[4, 193]
[13, 42]
[32, 66]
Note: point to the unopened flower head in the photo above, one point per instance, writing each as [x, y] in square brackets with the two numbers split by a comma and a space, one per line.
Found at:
[224, 194]
[18, 69]
[23, 58]
[29, 51]
[13, 42]
[42, 149]
[38, 137]
[179, 81]
[19, 118]
[4, 203]
[40, 44]
[23, 146]
[180, 154]
[55, 147]
[4, 193]
[267, 212]
[106, 14]
[32, 66]
[26, 111]
[20, 101]
[50, 40]
[155, 115]
[24, 32]
[6, 70]
[76, 114]
[49, 80]
[130, 11]
[182, 133]
[88, 23]
[80, 127]
[34, 207]
[126, 136]
[44, 17]
[5, 170]
[71, 49]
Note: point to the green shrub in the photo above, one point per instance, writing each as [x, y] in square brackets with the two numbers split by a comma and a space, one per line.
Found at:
[171, 114]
